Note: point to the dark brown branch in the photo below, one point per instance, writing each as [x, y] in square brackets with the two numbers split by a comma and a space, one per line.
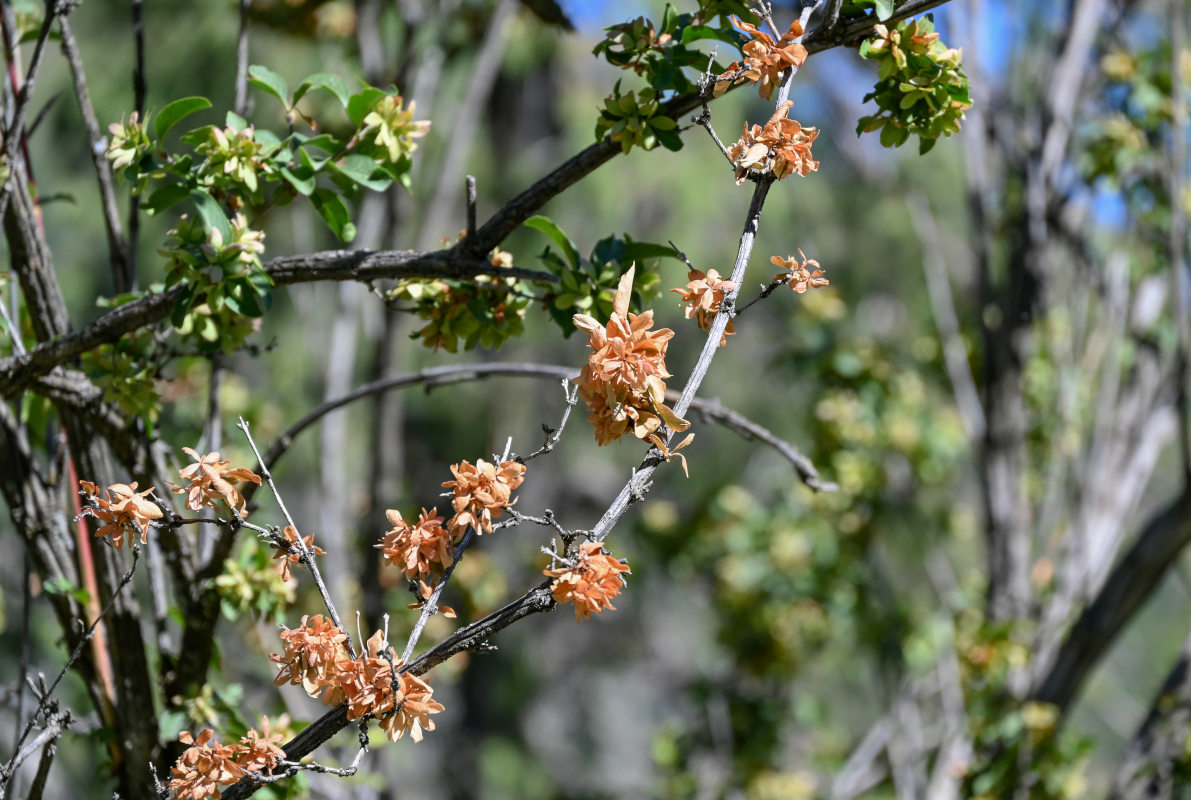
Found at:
[18, 372]
[122, 277]
[1131, 583]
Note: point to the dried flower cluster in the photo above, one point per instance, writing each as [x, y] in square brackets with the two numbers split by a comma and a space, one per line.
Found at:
[623, 383]
[780, 148]
[291, 552]
[212, 481]
[316, 658]
[764, 59]
[206, 764]
[703, 297]
[416, 549]
[800, 276]
[121, 509]
[480, 492]
[591, 583]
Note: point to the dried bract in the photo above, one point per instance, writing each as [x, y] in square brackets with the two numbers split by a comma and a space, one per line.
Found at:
[417, 549]
[800, 276]
[291, 552]
[481, 491]
[311, 658]
[703, 297]
[591, 583]
[122, 510]
[212, 481]
[764, 59]
[623, 383]
[779, 148]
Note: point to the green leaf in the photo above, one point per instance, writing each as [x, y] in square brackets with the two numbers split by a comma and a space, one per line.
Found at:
[244, 298]
[236, 122]
[334, 211]
[328, 81]
[556, 235]
[182, 306]
[300, 177]
[165, 197]
[669, 140]
[212, 213]
[268, 80]
[361, 169]
[324, 141]
[360, 103]
[175, 112]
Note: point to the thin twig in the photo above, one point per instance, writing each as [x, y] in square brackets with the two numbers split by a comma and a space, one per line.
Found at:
[460, 373]
[46, 695]
[306, 556]
[122, 278]
[430, 604]
[471, 205]
[240, 105]
[138, 103]
[14, 133]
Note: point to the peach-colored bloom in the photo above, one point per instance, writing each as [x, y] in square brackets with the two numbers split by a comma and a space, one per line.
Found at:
[800, 276]
[311, 658]
[211, 481]
[781, 147]
[204, 767]
[480, 492]
[290, 551]
[623, 383]
[703, 297]
[764, 59]
[417, 549]
[122, 510]
[591, 583]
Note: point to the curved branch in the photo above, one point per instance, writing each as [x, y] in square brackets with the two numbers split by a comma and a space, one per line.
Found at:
[1131, 583]
[462, 373]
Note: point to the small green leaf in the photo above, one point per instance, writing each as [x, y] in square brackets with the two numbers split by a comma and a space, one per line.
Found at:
[361, 169]
[360, 103]
[299, 177]
[556, 235]
[236, 122]
[165, 197]
[182, 306]
[175, 112]
[334, 211]
[212, 213]
[328, 81]
[268, 80]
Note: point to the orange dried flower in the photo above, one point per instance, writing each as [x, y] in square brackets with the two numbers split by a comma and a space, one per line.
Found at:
[260, 752]
[211, 480]
[703, 297]
[414, 707]
[591, 583]
[290, 552]
[416, 549]
[800, 277]
[481, 491]
[204, 767]
[623, 383]
[367, 682]
[122, 510]
[781, 147]
[764, 59]
[367, 685]
[311, 657]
